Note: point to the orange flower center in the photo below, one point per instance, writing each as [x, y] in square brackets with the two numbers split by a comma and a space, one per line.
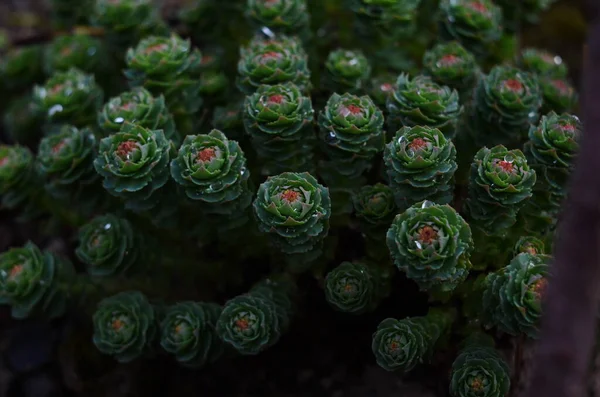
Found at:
[394, 345]
[275, 99]
[561, 86]
[506, 166]
[206, 154]
[15, 271]
[478, 6]
[386, 87]
[156, 47]
[242, 324]
[353, 109]
[117, 324]
[427, 234]
[514, 85]
[539, 287]
[348, 288]
[125, 148]
[417, 144]
[449, 60]
[127, 106]
[56, 148]
[270, 55]
[3, 161]
[57, 88]
[290, 195]
[477, 384]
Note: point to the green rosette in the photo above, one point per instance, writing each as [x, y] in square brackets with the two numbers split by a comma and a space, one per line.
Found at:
[513, 295]
[477, 25]
[125, 326]
[506, 102]
[70, 97]
[214, 87]
[65, 161]
[21, 67]
[23, 121]
[479, 370]
[500, 183]
[420, 101]
[529, 244]
[346, 71]
[273, 61]
[293, 209]
[551, 150]
[134, 165]
[137, 106]
[385, 19]
[66, 15]
[401, 345]
[126, 22]
[109, 246]
[356, 287]
[253, 322]
[212, 170]
[432, 244]
[450, 64]
[188, 333]
[558, 95]
[279, 120]
[542, 63]
[280, 16]
[351, 134]
[167, 66]
[230, 119]
[20, 181]
[420, 164]
[380, 88]
[80, 51]
[34, 282]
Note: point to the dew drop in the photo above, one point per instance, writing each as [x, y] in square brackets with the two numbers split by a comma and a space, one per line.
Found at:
[267, 32]
[401, 139]
[55, 109]
[418, 244]
[331, 137]
[353, 62]
[531, 115]
[557, 60]
[216, 186]
[509, 158]
[427, 204]
[107, 226]
[119, 120]
[91, 51]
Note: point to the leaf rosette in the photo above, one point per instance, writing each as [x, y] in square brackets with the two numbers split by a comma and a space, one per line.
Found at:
[529, 244]
[283, 16]
[558, 95]
[188, 333]
[19, 179]
[542, 63]
[125, 326]
[346, 71]
[294, 210]
[134, 163]
[432, 244]
[374, 205]
[420, 164]
[33, 282]
[272, 61]
[21, 67]
[421, 102]
[352, 288]
[80, 51]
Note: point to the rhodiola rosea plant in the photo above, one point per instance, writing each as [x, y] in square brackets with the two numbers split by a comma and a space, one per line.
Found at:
[228, 169]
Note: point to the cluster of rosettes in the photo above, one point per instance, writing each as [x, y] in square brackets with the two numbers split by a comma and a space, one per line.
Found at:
[188, 333]
[356, 287]
[421, 102]
[476, 24]
[452, 65]
[137, 106]
[109, 246]
[279, 16]
[346, 71]
[551, 150]
[71, 97]
[19, 179]
[294, 210]
[167, 66]
[134, 164]
[351, 133]
[500, 183]
[255, 321]
[125, 326]
[420, 164]
[432, 244]
[401, 345]
[479, 370]
[506, 102]
[279, 120]
[34, 282]
[212, 169]
[65, 160]
[513, 295]
[273, 61]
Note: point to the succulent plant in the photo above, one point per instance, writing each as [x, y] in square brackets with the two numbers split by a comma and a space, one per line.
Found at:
[420, 164]
[109, 246]
[229, 119]
[380, 88]
[293, 209]
[512, 295]
[500, 183]
[420, 101]
[34, 282]
[506, 102]
[279, 120]
[280, 16]
[23, 120]
[385, 18]
[253, 322]
[346, 71]
[125, 325]
[517, 12]
[21, 67]
[272, 61]
[137, 106]
[542, 63]
[450, 64]
[66, 15]
[167, 66]
[81, 51]
[20, 181]
[529, 244]
[188, 333]
[401, 345]
[134, 164]
[479, 370]
[476, 24]
[558, 95]
[432, 244]
[356, 287]
[70, 97]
